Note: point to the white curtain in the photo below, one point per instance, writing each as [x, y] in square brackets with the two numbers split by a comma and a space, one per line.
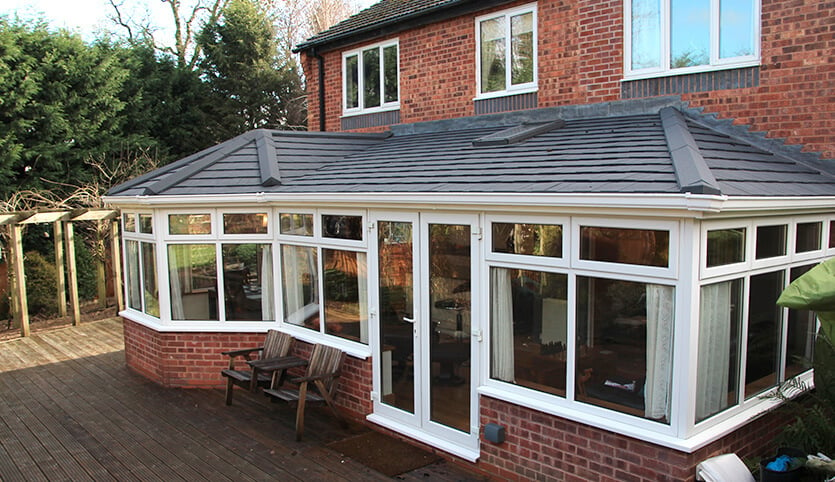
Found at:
[660, 309]
[292, 284]
[714, 349]
[177, 312]
[267, 290]
[362, 293]
[501, 319]
[134, 281]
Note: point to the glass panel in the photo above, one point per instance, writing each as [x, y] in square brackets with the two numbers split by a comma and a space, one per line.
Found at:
[133, 280]
[342, 227]
[449, 308]
[521, 49]
[736, 28]
[689, 33]
[189, 224]
[725, 246]
[764, 333]
[832, 234]
[371, 77]
[800, 344]
[352, 82]
[771, 241]
[720, 328]
[245, 223]
[297, 224]
[146, 224]
[149, 278]
[529, 328]
[192, 275]
[129, 222]
[624, 347]
[300, 286]
[808, 237]
[248, 282]
[630, 246]
[390, 79]
[646, 34]
[395, 251]
[346, 294]
[530, 239]
[493, 55]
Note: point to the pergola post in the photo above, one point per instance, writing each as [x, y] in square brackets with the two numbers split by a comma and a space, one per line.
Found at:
[116, 251]
[19, 280]
[60, 282]
[101, 276]
[72, 274]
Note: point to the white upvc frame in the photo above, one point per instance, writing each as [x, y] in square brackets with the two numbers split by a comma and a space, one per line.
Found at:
[542, 261]
[716, 63]
[384, 106]
[509, 88]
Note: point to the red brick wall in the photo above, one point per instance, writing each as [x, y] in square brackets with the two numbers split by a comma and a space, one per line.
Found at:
[194, 360]
[543, 447]
[581, 61]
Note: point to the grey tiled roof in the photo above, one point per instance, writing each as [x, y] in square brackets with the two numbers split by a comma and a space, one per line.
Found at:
[657, 152]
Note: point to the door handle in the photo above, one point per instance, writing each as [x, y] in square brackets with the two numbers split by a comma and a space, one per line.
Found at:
[409, 320]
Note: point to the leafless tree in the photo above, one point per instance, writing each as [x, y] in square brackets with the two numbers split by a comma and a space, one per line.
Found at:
[298, 20]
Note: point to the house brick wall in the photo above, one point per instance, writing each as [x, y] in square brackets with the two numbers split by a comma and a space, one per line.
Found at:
[539, 446]
[581, 62]
[194, 360]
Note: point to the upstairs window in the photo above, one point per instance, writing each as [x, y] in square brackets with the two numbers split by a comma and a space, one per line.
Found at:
[371, 78]
[680, 36]
[506, 52]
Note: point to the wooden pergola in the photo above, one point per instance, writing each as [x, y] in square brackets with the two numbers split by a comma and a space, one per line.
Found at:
[63, 231]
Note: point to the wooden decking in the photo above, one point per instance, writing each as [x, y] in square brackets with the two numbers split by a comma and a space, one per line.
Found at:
[71, 410]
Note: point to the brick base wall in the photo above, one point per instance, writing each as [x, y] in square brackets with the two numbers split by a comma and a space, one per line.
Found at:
[543, 447]
[194, 360]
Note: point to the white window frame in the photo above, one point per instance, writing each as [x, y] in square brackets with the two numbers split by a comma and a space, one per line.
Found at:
[510, 89]
[716, 63]
[139, 238]
[541, 261]
[384, 106]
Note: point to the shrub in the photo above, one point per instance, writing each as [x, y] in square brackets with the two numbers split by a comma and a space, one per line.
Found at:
[41, 279]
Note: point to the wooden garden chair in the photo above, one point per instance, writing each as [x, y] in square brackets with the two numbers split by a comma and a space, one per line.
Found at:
[323, 370]
[276, 345]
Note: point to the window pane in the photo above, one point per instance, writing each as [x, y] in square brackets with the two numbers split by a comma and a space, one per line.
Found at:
[832, 234]
[189, 224]
[342, 227]
[300, 286]
[146, 224]
[528, 323]
[736, 28]
[129, 222]
[624, 346]
[646, 34]
[346, 294]
[297, 224]
[725, 246]
[800, 344]
[764, 333]
[371, 78]
[630, 246]
[192, 271]
[133, 280]
[493, 56]
[720, 327]
[149, 277]
[808, 237]
[248, 282]
[352, 82]
[531, 239]
[245, 223]
[771, 241]
[521, 45]
[390, 77]
[689, 33]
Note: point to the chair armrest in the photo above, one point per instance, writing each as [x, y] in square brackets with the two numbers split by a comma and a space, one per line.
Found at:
[242, 352]
[313, 378]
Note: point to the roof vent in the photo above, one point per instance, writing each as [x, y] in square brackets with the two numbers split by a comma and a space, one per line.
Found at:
[518, 133]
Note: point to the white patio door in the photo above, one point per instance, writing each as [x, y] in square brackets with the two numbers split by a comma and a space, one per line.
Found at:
[424, 317]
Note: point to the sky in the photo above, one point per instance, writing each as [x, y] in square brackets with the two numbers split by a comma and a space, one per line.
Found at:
[88, 16]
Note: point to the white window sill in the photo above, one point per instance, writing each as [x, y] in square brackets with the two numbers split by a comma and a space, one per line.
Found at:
[376, 110]
[690, 70]
[505, 93]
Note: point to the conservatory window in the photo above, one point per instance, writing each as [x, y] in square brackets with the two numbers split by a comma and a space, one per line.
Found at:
[146, 224]
[342, 227]
[506, 55]
[771, 241]
[802, 329]
[248, 282]
[300, 285]
[808, 237]
[189, 224]
[765, 333]
[725, 246]
[296, 224]
[192, 271]
[245, 223]
[624, 346]
[345, 294]
[150, 285]
[629, 246]
[529, 239]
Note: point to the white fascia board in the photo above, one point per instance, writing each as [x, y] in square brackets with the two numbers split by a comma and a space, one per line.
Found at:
[688, 205]
[749, 204]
